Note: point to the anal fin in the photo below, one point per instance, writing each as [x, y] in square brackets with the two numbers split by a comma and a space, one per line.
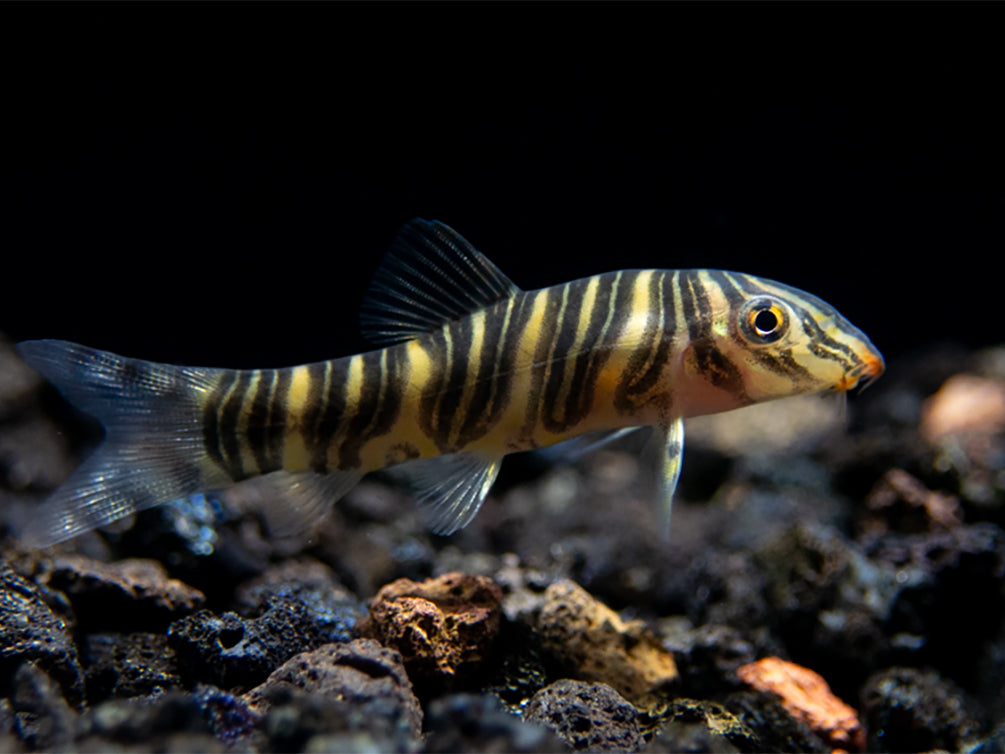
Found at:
[451, 488]
[290, 502]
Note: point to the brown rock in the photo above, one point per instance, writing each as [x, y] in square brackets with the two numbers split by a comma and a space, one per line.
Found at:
[897, 495]
[597, 645]
[807, 697]
[130, 594]
[443, 627]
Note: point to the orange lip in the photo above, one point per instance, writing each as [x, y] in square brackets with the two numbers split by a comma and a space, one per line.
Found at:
[872, 367]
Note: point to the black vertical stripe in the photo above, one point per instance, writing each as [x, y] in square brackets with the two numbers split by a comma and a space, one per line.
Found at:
[435, 346]
[613, 296]
[258, 419]
[229, 415]
[332, 388]
[461, 341]
[630, 392]
[211, 421]
[711, 362]
[482, 409]
[553, 414]
[542, 352]
[278, 417]
[379, 403]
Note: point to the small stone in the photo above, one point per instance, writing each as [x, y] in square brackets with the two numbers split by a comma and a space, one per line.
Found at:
[206, 720]
[596, 645]
[480, 723]
[708, 657]
[286, 617]
[964, 403]
[127, 665]
[590, 716]
[912, 710]
[30, 632]
[133, 594]
[807, 697]
[44, 720]
[902, 497]
[444, 627]
[364, 681]
[700, 725]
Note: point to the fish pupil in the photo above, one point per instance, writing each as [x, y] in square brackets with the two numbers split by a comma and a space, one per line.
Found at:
[765, 321]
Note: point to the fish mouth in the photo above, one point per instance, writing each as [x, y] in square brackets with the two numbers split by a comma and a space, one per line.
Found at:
[864, 374]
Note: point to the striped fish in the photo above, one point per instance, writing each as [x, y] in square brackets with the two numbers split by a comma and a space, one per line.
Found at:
[471, 369]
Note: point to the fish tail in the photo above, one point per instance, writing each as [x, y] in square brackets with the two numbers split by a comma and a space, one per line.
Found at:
[153, 449]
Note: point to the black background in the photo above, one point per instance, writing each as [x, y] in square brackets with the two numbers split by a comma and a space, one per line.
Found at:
[215, 184]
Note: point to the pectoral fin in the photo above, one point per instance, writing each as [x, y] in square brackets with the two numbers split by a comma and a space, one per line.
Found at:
[576, 447]
[451, 489]
[671, 458]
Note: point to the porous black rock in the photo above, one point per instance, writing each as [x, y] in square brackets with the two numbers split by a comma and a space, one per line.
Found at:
[232, 650]
[346, 695]
[206, 719]
[127, 665]
[31, 632]
[587, 716]
[707, 658]
[775, 729]
[906, 709]
[43, 718]
[480, 723]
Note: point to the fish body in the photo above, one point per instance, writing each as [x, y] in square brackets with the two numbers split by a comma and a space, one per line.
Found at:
[472, 368]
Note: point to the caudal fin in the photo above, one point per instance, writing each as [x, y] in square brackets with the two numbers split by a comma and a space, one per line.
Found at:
[153, 450]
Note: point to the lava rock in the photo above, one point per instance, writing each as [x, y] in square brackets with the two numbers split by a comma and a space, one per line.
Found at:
[708, 657]
[912, 710]
[829, 601]
[727, 589]
[589, 716]
[360, 685]
[133, 594]
[126, 665]
[231, 650]
[480, 723]
[206, 720]
[43, 718]
[333, 610]
[523, 665]
[596, 645]
[951, 593]
[444, 627]
[700, 725]
[774, 728]
[30, 632]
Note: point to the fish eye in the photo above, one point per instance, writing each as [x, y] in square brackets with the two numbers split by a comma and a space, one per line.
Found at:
[763, 320]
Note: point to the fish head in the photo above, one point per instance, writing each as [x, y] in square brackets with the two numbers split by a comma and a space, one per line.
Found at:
[766, 340]
[794, 343]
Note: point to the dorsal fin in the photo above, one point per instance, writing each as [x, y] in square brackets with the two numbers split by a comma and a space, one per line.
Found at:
[430, 276]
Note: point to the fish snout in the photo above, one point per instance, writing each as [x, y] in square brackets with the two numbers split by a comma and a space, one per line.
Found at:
[865, 373]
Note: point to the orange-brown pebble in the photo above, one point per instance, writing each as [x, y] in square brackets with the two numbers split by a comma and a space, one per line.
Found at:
[443, 627]
[964, 403]
[808, 698]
